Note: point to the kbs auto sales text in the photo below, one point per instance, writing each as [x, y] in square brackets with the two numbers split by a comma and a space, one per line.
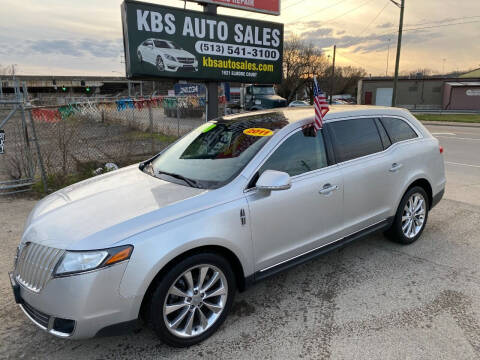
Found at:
[201, 28]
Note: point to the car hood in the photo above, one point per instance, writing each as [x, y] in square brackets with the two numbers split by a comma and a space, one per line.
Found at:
[176, 52]
[96, 206]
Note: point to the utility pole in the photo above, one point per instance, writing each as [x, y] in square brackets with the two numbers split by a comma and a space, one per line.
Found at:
[399, 48]
[388, 58]
[212, 86]
[332, 80]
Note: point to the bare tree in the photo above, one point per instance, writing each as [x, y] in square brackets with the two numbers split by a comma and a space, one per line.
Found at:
[301, 61]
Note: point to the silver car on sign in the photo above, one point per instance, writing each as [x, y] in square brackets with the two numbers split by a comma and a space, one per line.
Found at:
[170, 240]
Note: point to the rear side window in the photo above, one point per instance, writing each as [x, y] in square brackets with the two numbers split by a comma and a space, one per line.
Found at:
[355, 138]
[298, 154]
[398, 130]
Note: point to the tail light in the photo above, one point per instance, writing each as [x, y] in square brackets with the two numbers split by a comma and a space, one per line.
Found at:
[441, 149]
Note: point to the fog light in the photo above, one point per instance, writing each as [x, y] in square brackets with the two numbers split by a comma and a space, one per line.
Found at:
[64, 325]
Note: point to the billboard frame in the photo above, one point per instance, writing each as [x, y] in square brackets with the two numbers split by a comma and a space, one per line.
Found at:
[238, 7]
[208, 11]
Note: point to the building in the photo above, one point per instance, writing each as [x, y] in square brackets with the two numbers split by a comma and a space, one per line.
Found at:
[59, 88]
[422, 93]
[471, 74]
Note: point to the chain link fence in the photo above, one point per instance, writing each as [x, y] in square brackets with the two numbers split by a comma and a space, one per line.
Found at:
[77, 138]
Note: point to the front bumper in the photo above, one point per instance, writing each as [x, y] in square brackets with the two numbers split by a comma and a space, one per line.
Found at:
[175, 66]
[79, 306]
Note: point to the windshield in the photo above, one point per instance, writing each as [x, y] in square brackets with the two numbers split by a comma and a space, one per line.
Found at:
[214, 153]
[263, 90]
[163, 44]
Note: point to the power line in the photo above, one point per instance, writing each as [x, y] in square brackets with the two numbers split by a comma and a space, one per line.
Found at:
[347, 12]
[369, 24]
[318, 11]
[375, 18]
[433, 27]
[438, 21]
[284, 8]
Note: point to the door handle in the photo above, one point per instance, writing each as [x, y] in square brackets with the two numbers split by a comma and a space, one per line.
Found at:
[395, 167]
[328, 189]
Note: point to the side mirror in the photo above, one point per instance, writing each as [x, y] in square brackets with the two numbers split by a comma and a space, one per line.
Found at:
[272, 180]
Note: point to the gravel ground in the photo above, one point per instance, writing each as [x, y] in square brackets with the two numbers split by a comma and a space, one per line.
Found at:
[370, 300]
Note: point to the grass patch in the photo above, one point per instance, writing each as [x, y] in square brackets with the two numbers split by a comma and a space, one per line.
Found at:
[140, 135]
[462, 118]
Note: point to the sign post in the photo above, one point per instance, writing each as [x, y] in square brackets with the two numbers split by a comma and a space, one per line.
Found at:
[212, 86]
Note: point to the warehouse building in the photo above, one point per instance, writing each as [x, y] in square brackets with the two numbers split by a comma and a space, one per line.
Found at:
[422, 93]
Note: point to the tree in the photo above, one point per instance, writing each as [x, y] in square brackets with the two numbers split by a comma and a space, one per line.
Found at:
[301, 61]
[7, 70]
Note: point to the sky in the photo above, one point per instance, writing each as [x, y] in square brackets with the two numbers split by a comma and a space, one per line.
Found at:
[72, 37]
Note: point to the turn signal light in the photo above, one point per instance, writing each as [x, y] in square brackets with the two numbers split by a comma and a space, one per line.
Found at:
[120, 256]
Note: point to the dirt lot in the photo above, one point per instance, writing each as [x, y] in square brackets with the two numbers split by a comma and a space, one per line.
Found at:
[371, 300]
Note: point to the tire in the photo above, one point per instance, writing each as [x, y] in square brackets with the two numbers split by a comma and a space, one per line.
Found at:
[176, 313]
[401, 231]
[159, 64]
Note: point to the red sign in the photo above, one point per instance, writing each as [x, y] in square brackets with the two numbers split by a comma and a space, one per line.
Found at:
[263, 6]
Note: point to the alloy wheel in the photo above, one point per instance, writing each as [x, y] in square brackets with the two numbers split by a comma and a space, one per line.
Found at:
[195, 301]
[413, 217]
[160, 64]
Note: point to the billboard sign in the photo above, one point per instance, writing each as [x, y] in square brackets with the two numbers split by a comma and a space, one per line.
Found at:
[163, 41]
[271, 7]
[189, 89]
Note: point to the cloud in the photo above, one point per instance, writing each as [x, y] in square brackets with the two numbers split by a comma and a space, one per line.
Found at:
[385, 25]
[379, 43]
[76, 48]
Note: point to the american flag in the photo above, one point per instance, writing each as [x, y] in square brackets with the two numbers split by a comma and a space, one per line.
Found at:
[321, 105]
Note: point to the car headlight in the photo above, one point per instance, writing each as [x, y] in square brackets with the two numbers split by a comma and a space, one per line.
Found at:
[170, 57]
[74, 262]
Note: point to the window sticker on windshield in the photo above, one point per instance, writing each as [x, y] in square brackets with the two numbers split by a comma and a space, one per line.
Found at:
[209, 128]
[258, 132]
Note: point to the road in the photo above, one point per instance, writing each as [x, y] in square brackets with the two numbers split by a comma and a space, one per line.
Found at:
[462, 161]
[370, 300]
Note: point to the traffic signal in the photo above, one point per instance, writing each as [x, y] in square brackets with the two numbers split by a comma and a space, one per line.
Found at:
[64, 88]
[87, 89]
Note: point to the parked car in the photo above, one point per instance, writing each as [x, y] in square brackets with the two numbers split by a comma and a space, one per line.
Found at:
[297, 103]
[166, 55]
[171, 239]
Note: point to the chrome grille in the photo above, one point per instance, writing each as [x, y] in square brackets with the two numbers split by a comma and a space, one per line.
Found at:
[35, 264]
[185, 60]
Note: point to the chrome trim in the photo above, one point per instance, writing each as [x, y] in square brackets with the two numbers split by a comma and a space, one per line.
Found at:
[98, 268]
[50, 324]
[322, 246]
[35, 265]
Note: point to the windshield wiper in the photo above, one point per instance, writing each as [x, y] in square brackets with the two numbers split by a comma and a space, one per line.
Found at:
[189, 182]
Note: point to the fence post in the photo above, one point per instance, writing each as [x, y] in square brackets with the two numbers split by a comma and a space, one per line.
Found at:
[21, 99]
[150, 118]
[40, 157]
[35, 139]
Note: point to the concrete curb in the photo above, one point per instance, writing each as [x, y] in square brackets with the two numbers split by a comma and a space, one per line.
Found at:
[448, 123]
